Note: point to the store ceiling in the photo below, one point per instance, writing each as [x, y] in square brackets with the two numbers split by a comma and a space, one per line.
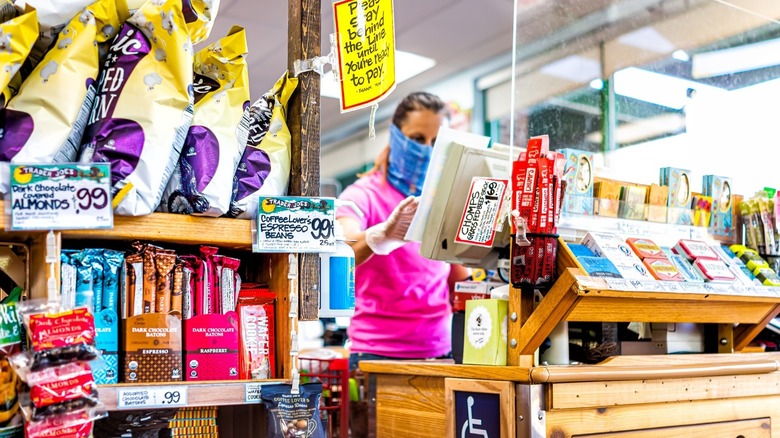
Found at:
[458, 34]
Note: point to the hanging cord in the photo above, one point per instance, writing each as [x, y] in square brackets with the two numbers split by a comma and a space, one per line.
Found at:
[372, 122]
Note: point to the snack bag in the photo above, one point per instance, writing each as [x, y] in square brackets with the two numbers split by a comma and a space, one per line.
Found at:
[264, 169]
[144, 106]
[293, 415]
[17, 37]
[48, 115]
[203, 180]
[198, 14]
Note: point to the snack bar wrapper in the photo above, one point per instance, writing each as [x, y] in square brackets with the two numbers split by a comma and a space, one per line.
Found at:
[47, 117]
[202, 183]
[144, 106]
[264, 169]
[17, 37]
[198, 14]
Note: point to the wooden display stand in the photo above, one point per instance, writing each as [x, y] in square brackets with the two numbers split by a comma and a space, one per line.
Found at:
[697, 395]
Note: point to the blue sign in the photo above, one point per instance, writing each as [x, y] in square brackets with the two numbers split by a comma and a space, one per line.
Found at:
[477, 415]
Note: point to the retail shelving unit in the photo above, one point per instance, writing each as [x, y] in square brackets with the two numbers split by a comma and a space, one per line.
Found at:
[621, 397]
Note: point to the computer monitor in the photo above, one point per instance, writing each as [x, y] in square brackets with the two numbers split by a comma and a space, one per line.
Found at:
[462, 164]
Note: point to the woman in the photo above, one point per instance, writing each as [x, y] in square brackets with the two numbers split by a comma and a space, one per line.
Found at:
[402, 306]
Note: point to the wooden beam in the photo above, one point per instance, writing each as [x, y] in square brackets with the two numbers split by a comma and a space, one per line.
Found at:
[554, 308]
[303, 31]
[745, 333]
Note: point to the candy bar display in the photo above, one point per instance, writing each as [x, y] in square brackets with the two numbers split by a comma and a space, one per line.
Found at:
[536, 201]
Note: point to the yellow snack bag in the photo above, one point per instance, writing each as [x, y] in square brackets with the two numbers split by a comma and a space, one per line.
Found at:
[17, 37]
[202, 183]
[198, 14]
[264, 168]
[48, 115]
[143, 107]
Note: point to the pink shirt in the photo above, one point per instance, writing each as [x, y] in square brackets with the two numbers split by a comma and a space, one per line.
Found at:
[402, 304]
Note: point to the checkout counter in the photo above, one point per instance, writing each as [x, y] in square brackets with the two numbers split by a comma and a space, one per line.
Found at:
[730, 394]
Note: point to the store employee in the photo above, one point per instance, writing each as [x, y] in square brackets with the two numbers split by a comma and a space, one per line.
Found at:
[402, 308]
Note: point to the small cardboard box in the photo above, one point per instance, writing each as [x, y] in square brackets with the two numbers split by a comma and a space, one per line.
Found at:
[485, 332]
[578, 174]
[153, 349]
[211, 347]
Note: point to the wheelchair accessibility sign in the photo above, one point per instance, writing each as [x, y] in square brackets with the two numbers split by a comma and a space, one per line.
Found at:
[477, 415]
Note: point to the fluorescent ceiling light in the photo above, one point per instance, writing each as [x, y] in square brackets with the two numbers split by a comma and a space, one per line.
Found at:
[644, 129]
[737, 59]
[573, 68]
[647, 38]
[407, 65]
[656, 88]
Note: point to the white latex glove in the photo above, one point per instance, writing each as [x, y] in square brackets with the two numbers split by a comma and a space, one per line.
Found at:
[385, 237]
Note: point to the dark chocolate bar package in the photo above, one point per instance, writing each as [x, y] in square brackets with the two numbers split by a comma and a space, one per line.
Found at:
[293, 415]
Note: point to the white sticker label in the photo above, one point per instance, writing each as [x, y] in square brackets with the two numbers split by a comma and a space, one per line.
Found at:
[151, 397]
[480, 214]
[480, 327]
[619, 284]
[252, 392]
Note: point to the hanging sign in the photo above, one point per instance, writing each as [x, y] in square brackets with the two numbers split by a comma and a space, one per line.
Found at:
[365, 40]
[61, 196]
[295, 225]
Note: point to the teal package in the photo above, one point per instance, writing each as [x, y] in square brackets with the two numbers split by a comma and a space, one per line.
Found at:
[106, 371]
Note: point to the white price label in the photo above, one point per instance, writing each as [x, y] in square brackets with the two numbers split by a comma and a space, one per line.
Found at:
[151, 397]
[480, 214]
[671, 286]
[619, 284]
[252, 392]
[293, 224]
[61, 196]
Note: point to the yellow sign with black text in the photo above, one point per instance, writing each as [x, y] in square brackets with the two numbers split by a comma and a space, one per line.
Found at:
[365, 39]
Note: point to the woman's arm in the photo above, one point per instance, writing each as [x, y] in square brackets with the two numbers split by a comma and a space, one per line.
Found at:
[353, 232]
[457, 273]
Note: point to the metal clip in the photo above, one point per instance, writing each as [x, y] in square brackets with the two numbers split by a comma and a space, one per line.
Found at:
[521, 227]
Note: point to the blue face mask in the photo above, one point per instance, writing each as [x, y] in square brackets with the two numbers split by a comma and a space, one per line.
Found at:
[407, 163]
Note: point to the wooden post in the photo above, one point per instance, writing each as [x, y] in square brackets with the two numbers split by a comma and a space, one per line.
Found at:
[303, 31]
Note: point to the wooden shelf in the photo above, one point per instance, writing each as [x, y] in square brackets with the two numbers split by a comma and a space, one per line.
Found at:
[169, 228]
[223, 393]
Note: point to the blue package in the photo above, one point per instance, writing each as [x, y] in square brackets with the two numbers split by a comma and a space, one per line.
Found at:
[84, 282]
[580, 250]
[599, 267]
[685, 268]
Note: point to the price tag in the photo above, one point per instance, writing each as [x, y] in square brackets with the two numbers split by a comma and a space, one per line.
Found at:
[151, 397]
[671, 286]
[293, 224]
[619, 284]
[651, 286]
[61, 197]
[252, 392]
[480, 214]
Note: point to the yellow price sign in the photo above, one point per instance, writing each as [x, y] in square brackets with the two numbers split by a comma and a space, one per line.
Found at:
[365, 38]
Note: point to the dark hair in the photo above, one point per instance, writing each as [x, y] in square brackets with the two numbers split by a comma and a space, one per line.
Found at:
[417, 101]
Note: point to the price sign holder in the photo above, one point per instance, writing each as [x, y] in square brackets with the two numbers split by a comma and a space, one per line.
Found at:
[60, 196]
[287, 224]
[151, 397]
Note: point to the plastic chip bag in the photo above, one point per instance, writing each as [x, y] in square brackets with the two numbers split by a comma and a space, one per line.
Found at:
[293, 415]
[264, 169]
[202, 183]
[17, 37]
[144, 106]
[48, 115]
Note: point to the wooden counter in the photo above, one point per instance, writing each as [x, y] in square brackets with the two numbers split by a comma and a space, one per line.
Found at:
[702, 395]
